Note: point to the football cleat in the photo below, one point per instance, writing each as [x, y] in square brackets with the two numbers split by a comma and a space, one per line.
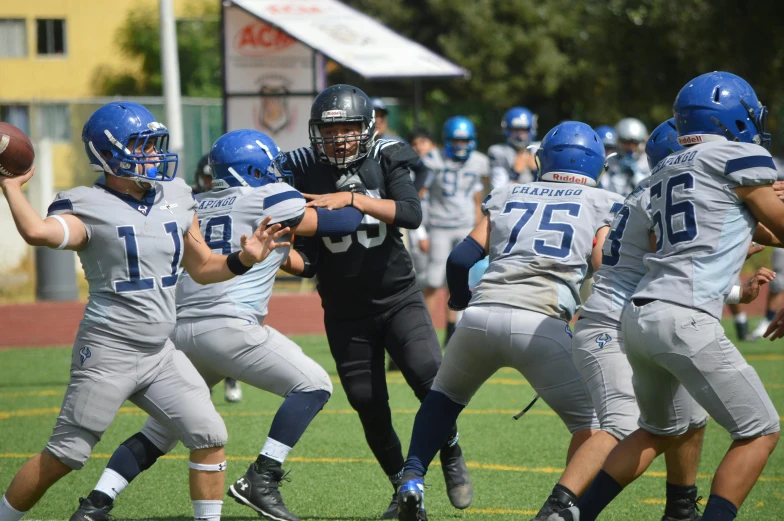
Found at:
[570, 514]
[233, 393]
[742, 331]
[88, 511]
[557, 502]
[411, 499]
[759, 330]
[684, 508]
[391, 511]
[458, 482]
[258, 489]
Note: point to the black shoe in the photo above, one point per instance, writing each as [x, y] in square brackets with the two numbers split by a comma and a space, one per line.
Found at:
[89, 511]
[742, 331]
[258, 489]
[411, 499]
[391, 511]
[458, 483]
[682, 509]
[557, 502]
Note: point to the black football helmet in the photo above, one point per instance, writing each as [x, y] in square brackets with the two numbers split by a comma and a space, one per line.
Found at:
[341, 103]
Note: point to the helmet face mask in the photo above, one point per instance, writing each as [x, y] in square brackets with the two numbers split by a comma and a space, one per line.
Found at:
[342, 126]
[459, 138]
[124, 139]
[516, 120]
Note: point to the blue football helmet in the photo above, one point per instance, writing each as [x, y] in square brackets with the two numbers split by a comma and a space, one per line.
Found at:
[662, 143]
[459, 128]
[519, 118]
[607, 135]
[720, 105]
[123, 136]
[571, 153]
[245, 158]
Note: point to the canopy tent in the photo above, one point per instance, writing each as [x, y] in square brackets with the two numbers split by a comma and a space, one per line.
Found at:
[273, 60]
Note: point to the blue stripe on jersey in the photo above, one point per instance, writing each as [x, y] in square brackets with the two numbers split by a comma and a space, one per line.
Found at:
[272, 200]
[60, 205]
[743, 163]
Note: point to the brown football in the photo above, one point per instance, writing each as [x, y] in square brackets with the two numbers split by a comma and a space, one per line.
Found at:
[16, 151]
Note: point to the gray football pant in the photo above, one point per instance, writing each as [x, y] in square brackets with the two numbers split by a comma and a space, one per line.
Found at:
[600, 356]
[488, 338]
[257, 355]
[162, 383]
[678, 352]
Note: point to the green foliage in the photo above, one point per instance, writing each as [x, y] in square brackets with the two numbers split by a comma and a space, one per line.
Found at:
[198, 42]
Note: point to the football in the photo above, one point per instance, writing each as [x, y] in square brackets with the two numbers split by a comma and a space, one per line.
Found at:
[16, 151]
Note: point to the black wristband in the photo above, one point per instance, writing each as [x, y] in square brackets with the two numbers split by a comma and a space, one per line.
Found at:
[235, 264]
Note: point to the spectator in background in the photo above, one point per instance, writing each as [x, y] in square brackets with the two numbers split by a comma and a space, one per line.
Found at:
[381, 112]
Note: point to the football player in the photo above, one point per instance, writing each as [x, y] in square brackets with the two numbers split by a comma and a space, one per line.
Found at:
[540, 239]
[454, 196]
[705, 202]
[511, 161]
[365, 279]
[132, 231]
[631, 166]
[775, 298]
[220, 329]
[381, 112]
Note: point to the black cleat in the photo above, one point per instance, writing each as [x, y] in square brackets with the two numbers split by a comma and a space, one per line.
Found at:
[391, 511]
[558, 501]
[411, 499]
[742, 331]
[90, 511]
[258, 489]
[683, 508]
[458, 483]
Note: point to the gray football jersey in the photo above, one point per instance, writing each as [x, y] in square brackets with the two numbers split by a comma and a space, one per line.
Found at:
[622, 268]
[702, 227]
[502, 157]
[224, 216]
[451, 188]
[541, 238]
[132, 257]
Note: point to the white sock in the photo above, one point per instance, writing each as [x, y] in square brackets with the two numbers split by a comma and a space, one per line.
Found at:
[9, 513]
[273, 449]
[111, 483]
[207, 510]
[740, 318]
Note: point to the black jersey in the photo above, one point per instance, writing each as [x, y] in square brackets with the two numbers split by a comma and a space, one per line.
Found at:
[370, 270]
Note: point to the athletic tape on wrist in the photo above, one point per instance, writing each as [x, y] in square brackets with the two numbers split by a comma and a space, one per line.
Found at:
[734, 296]
[218, 467]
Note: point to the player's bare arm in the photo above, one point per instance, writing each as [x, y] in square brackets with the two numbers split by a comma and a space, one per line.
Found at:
[382, 209]
[598, 244]
[765, 237]
[765, 206]
[206, 267]
[478, 206]
[49, 232]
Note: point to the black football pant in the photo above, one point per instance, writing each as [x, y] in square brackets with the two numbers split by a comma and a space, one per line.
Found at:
[357, 345]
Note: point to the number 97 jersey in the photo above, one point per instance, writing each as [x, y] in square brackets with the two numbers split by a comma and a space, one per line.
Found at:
[541, 238]
[703, 229]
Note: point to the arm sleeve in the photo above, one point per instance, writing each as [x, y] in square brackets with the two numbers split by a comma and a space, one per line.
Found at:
[308, 249]
[459, 263]
[337, 223]
[397, 161]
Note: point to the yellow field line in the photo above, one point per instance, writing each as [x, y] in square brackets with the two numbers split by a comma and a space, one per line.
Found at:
[765, 357]
[469, 464]
[501, 511]
[52, 392]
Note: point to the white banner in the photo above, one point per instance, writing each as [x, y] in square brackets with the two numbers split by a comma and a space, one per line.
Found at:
[283, 118]
[352, 39]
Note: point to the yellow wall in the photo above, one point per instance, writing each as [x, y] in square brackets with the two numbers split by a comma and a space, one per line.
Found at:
[91, 29]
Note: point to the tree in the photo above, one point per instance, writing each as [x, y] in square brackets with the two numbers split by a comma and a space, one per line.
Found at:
[198, 42]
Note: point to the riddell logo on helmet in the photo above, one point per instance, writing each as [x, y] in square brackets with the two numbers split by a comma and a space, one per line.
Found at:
[569, 178]
[327, 114]
[690, 140]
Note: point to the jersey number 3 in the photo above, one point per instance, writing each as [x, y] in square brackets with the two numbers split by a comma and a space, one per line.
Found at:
[135, 281]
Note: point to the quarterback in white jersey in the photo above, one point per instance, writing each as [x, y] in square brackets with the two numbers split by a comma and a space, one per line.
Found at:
[540, 239]
[220, 327]
[705, 203]
[132, 234]
[454, 193]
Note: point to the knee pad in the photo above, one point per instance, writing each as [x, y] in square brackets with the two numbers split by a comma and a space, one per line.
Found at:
[144, 451]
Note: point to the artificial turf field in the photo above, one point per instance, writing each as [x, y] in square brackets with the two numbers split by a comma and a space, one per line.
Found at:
[514, 464]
